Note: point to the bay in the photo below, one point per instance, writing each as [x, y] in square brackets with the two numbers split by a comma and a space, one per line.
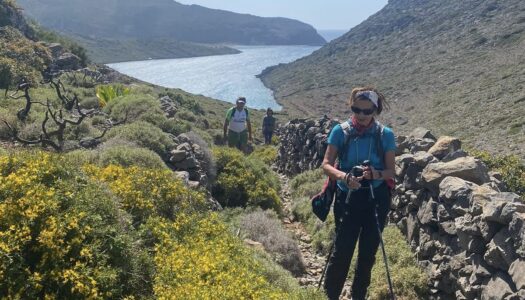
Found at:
[223, 77]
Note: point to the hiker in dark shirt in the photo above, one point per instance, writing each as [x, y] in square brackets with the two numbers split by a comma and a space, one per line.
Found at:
[268, 126]
[355, 216]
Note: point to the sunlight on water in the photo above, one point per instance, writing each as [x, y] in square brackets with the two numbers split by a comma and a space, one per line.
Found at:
[223, 77]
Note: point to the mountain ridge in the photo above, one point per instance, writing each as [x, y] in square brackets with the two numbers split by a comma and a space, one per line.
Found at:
[166, 20]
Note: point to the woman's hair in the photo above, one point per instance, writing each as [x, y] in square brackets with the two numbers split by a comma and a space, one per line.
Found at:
[269, 110]
[381, 101]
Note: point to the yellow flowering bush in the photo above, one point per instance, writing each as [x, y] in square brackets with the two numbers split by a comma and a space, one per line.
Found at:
[197, 258]
[51, 245]
[244, 182]
[147, 192]
[68, 232]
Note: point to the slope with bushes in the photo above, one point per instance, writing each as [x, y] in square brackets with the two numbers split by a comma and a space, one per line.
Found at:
[453, 66]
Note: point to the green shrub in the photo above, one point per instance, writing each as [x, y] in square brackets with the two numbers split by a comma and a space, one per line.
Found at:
[267, 154]
[175, 127]
[184, 101]
[135, 107]
[89, 103]
[244, 182]
[511, 167]
[145, 135]
[63, 235]
[215, 265]
[107, 93]
[20, 58]
[265, 227]
[128, 157]
[409, 281]
[186, 115]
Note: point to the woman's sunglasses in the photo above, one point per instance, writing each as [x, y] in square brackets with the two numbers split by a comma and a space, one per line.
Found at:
[366, 112]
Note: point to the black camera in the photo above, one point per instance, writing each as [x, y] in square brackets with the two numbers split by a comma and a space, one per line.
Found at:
[358, 171]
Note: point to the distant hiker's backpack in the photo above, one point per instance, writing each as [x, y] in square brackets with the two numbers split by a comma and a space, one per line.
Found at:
[234, 109]
[321, 202]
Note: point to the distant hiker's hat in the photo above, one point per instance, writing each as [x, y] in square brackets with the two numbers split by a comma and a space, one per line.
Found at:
[241, 100]
[370, 95]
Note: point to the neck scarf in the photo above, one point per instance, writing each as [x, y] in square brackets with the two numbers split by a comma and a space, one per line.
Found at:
[361, 128]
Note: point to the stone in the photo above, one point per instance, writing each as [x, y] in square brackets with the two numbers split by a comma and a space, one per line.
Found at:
[517, 272]
[411, 180]
[412, 228]
[454, 189]
[188, 163]
[500, 251]
[421, 133]
[68, 62]
[488, 229]
[517, 230]
[456, 154]
[498, 287]
[183, 175]
[184, 146]
[477, 245]
[177, 155]
[500, 209]
[478, 199]
[422, 145]
[448, 227]
[481, 270]
[422, 159]
[444, 146]
[428, 214]
[467, 168]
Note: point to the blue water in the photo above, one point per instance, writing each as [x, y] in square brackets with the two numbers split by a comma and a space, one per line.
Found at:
[223, 77]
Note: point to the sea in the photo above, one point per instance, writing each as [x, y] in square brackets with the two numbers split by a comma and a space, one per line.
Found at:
[223, 77]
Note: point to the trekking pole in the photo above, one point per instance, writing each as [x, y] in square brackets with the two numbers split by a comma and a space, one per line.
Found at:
[326, 264]
[392, 296]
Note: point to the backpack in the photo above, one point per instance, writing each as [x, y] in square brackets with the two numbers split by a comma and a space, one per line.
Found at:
[322, 201]
[234, 109]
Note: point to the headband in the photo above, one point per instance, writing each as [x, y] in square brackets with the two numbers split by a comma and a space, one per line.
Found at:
[370, 95]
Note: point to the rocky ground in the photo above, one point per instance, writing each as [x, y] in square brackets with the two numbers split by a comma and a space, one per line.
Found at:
[314, 262]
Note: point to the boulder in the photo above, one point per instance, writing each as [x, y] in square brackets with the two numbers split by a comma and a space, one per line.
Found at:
[517, 230]
[68, 62]
[177, 155]
[467, 168]
[421, 133]
[444, 146]
[517, 272]
[500, 251]
[498, 287]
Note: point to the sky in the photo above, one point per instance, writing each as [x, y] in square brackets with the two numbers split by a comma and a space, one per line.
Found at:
[322, 14]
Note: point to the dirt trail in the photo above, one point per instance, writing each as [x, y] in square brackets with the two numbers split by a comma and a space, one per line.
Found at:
[314, 262]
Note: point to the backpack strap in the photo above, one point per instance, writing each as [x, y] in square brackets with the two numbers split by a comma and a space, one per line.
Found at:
[379, 140]
[347, 130]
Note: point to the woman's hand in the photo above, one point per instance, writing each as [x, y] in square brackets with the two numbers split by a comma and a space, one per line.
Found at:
[352, 182]
[371, 173]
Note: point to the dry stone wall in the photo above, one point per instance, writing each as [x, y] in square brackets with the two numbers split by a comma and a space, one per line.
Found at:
[466, 231]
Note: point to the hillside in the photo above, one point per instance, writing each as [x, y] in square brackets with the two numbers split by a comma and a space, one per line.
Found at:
[163, 21]
[455, 66]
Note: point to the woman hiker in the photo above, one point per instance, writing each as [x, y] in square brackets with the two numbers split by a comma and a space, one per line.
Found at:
[268, 126]
[355, 217]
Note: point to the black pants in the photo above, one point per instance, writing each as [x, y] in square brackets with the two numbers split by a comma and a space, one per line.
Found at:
[356, 221]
